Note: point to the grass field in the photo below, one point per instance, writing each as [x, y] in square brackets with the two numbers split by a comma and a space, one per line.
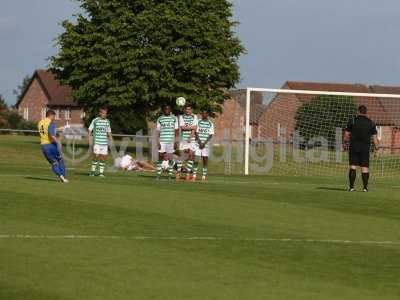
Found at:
[129, 237]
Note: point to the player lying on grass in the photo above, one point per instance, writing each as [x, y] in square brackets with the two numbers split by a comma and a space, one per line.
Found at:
[48, 140]
[168, 131]
[99, 137]
[127, 163]
[358, 134]
[204, 133]
[187, 126]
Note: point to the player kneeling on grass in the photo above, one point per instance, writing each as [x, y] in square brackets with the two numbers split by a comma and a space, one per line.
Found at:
[168, 130]
[204, 133]
[48, 140]
[188, 126]
[99, 136]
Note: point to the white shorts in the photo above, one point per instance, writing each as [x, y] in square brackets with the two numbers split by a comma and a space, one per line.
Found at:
[186, 146]
[167, 148]
[205, 152]
[100, 149]
[165, 165]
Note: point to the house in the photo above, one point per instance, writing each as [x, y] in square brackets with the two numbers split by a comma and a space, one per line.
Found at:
[230, 124]
[390, 131]
[44, 92]
[278, 119]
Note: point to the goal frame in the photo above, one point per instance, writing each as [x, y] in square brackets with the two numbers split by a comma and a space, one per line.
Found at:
[249, 90]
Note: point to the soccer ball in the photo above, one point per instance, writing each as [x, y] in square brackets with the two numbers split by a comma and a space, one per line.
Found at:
[180, 101]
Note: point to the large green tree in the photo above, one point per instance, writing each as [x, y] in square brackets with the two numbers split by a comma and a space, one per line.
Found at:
[322, 115]
[136, 55]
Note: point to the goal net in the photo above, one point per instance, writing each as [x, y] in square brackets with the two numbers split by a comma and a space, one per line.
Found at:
[300, 132]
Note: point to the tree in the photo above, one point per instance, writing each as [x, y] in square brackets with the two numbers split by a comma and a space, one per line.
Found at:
[137, 55]
[3, 109]
[15, 121]
[3, 104]
[10, 119]
[322, 115]
[22, 87]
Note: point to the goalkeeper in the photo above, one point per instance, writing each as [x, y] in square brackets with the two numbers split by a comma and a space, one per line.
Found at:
[358, 134]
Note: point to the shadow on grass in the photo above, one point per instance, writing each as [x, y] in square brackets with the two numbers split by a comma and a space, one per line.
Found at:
[84, 174]
[324, 188]
[149, 175]
[41, 178]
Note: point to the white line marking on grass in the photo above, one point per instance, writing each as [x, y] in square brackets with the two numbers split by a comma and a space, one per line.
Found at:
[14, 175]
[193, 238]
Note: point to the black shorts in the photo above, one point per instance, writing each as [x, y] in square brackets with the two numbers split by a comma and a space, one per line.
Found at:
[359, 157]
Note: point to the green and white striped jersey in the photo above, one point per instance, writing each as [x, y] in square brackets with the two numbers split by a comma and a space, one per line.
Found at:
[167, 125]
[100, 129]
[187, 120]
[205, 128]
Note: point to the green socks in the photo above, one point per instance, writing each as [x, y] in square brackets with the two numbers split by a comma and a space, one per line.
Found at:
[159, 168]
[102, 166]
[94, 166]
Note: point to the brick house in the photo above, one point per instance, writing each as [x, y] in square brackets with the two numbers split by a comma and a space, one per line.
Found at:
[278, 119]
[390, 130]
[44, 92]
[230, 123]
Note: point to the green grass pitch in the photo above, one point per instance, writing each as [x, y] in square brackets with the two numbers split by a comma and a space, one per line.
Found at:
[129, 237]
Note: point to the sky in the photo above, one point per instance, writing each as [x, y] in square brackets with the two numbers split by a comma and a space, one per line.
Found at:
[349, 41]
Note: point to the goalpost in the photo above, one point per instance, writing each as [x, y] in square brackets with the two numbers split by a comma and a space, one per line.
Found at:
[300, 132]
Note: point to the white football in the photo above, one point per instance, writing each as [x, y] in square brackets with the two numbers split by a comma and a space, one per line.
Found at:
[180, 101]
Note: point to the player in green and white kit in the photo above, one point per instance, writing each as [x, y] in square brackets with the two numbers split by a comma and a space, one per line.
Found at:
[204, 133]
[188, 126]
[99, 136]
[168, 130]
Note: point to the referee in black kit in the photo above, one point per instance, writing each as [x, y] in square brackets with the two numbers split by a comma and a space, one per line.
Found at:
[357, 137]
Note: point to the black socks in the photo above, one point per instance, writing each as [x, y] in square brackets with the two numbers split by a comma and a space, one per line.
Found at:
[365, 178]
[352, 177]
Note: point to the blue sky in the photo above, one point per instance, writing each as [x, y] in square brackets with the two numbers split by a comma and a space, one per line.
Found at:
[355, 41]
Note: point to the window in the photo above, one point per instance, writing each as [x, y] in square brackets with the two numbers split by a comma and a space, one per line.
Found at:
[57, 111]
[83, 115]
[67, 114]
[379, 129]
[26, 113]
[44, 111]
[279, 130]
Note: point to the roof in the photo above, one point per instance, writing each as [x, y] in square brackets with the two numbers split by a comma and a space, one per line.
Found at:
[57, 94]
[257, 106]
[328, 87]
[391, 106]
[376, 109]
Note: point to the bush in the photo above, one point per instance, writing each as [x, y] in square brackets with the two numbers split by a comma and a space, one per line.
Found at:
[10, 119]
